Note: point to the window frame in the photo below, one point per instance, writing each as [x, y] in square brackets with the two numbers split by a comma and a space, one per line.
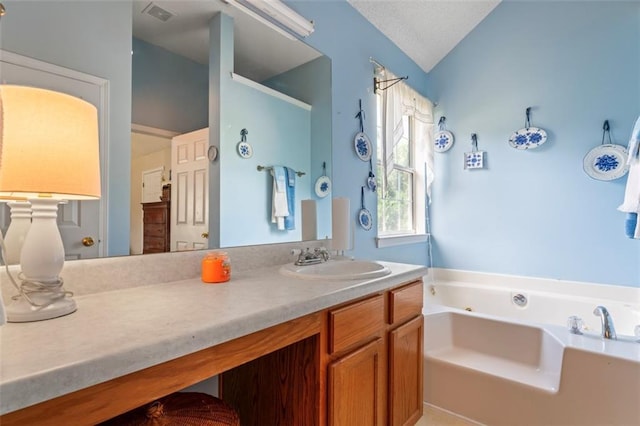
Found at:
[417, 233]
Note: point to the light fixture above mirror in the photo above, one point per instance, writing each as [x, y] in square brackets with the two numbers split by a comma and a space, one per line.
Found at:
[276, 15]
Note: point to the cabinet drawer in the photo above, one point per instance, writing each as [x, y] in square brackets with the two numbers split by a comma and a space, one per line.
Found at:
[154, 244]
[405, 302]
[155, 215]
[355, 323]
[155, 230]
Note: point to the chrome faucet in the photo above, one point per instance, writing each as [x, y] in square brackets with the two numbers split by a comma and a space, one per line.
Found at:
[608, 330]
[307, 257]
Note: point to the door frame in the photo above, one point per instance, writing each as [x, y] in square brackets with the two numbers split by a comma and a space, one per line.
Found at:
[103, 119]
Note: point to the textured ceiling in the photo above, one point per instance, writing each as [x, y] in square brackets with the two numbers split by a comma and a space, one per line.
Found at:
[425, 30]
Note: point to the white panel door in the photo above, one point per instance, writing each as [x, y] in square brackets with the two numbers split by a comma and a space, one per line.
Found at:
[152, 185]
[190, 191]
[77, 221]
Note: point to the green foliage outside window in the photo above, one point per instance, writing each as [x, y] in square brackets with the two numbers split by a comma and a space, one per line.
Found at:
[395, 195]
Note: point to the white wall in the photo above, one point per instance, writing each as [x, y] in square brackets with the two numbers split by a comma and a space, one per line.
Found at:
[153, 160]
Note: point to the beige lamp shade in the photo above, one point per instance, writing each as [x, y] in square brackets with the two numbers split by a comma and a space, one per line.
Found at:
[49, 145]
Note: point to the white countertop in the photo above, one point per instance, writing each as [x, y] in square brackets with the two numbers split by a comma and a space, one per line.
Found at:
[118, 332]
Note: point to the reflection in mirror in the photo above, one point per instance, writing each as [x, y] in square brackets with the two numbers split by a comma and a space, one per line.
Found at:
[169, 90]
[278, 95]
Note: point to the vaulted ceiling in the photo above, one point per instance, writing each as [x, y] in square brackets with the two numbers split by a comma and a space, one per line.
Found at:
[425, 30]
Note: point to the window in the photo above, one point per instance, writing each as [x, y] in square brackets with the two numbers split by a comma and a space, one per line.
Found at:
[404, 165]
[396, 207]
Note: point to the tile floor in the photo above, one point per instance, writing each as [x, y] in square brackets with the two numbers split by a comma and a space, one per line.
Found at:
[436, 417]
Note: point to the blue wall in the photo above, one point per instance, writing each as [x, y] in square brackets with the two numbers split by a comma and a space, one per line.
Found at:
[279, 137]
[536, 212]
[309, 83]
[279, 133]
[169, 91]
[530, 213]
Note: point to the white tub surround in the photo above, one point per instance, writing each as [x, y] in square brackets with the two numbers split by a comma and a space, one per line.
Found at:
[507, 372]
[506, 364]
[523, 354]
[126, 330]
[548, 301]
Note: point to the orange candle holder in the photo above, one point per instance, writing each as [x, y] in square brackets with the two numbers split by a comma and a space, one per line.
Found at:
[216, 268]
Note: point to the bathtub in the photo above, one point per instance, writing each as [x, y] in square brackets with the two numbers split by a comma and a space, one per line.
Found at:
[498, 359]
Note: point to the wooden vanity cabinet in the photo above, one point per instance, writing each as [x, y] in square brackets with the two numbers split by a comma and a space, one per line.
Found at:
[368, 358]
[405, 345]
[356, 371]
[375, 359]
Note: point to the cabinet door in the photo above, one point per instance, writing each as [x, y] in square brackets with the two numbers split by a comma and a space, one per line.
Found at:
[405, 373]
[356, 387]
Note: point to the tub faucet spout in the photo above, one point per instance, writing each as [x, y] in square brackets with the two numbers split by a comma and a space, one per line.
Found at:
[608, 330]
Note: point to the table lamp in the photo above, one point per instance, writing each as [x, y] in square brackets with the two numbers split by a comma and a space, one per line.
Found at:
[49, 152]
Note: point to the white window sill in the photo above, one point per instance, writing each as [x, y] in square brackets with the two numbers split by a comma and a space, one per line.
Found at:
[398, 240]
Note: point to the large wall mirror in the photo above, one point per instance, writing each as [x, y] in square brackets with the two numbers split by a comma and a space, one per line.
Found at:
[279, 92]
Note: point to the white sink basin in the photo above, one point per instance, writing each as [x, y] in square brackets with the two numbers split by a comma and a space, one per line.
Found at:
[337, 270]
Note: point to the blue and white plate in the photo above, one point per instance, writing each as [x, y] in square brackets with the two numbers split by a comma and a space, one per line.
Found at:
[362, 145]
[323, 186]
[606, 162]
[244, 150]
[528, 138]
[364, 219]
[443, 141]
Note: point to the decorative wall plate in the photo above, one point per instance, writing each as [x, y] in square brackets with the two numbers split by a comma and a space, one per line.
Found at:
[443, 141]
[244, 150]
[323, 186]
[362, 145]
[364, 219]
[606, 162]
[528, 138]
[364, 216]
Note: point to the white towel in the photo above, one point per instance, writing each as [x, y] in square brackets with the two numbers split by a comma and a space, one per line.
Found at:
[279, 203]
[631, 203]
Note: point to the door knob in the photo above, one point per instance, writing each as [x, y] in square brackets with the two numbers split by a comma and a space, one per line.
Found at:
[205, 235]
[87, 241]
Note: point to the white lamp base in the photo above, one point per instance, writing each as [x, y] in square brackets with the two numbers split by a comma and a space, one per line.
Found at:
[41, 261]
[19, 310]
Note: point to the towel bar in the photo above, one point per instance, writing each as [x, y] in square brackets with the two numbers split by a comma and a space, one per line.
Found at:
[261, 168]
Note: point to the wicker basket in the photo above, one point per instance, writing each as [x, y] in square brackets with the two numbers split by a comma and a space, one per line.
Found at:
[180, 409]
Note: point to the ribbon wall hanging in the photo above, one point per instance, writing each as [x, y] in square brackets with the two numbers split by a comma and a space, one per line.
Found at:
[475, 158]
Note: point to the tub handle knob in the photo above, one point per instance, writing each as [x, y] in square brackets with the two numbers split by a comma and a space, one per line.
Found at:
[575, 324]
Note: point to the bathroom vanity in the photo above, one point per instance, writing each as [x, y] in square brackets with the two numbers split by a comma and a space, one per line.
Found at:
[288, 351]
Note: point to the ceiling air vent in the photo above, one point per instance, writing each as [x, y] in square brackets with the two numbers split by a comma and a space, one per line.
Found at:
[158, 12]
